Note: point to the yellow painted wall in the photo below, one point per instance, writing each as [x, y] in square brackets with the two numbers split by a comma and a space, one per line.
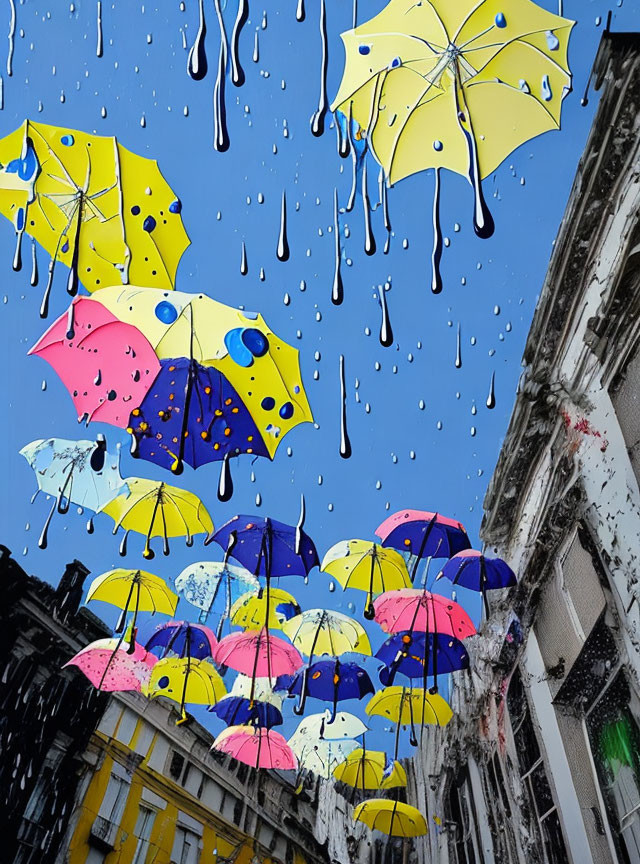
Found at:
[164, 825]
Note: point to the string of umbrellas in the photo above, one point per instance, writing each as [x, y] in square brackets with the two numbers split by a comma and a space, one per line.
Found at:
[262, 651]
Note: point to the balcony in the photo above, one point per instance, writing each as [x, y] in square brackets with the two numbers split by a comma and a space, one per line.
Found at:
[103, 834]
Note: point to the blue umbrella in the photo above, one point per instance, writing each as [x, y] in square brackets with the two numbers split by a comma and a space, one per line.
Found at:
[332, 681]
[239, 711]
[473, 571]
[192, 414]
[418, 655]
[267, 547]
[182, 638]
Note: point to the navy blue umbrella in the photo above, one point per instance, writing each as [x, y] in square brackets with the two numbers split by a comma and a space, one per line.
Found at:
[332, 681]
[239, 711]
[418, 655]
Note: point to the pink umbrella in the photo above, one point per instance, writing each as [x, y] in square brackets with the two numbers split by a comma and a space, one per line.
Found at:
[106, 365]
[423, 534]
[109, 666]
[411, 609]
[258, 654]
[258, 747]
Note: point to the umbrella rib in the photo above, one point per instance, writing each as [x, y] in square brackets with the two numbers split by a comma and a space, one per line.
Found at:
[466, 19]
[517, 90]
[52, 152]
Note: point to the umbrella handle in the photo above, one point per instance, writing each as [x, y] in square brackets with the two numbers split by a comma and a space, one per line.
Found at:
[369, 610]
[132, 645]
[299, 708]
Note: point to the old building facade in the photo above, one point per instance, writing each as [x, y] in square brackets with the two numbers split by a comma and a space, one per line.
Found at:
[542, 762]
[95, 778]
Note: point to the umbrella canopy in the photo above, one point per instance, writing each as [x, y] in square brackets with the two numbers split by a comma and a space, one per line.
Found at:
[78, 472]
[264, 689]
[366, 566]
[322, 757]
[156, 509]
[250, 610]
[331, 681]
[200, 584]
[107, 366]
[472, 570]
[418, 655]
[257, 653]
[259, 367]
[259, 748]
[186, 680]
[394, 818]
[436, 86]
[409, 705]
[111, 667]
[241, 711]
[182, 638]
[320, 727]
[370, 769]
[267, 547]
[323, 631]
[417, 609]
[423, 534]
[192, 414]
[106, 213]
[120, 587]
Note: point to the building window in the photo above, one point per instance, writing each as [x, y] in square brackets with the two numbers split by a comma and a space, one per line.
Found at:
[186, 847]
[462, 814]
[142, 831]
[544, 813]
[176, 764]
[615, 745]
[625, 397]
[499, 813]
[114, 800]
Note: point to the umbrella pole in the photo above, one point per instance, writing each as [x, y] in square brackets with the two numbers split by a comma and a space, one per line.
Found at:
[413, 740]
[299, 708]
[369, 611]
[483, 588]
[397, 741]
[423, 544]
[119, 629]
[183, 713]
[132, 644]
[148, 552]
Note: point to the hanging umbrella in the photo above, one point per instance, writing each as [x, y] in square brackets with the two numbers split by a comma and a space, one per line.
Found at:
[107, 366]
[106, 213]
[250, 610]
[408, 706]
[251, 701]
[259, 748]
[125, 589]
[73, 472]
[423, 535]
[394, 818]
[474, 571]
[418, 655]
[323, 631]
[237, 385]
[258, 654]
[156, 509]
[200, 584]
[332, 681]
[436, 86]
[370, 769]
[239, 711]
[183, 639]
[418, 609]
[366, 566]
[186, 680]
[267, 547]
[320, 727]
[322, 757]
[112, 668]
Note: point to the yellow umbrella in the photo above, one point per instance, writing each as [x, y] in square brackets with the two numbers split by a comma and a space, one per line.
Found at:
[454, 85]
[391, 817]
[323, 631]
[118, 587]
[156, 509]
[367, 566]
[105, 212]
[407, 706]
[185, 679]
[250, 610]
[263, 369]
[368, 769]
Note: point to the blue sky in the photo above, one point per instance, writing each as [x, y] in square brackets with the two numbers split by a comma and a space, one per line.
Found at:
[400, 456]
